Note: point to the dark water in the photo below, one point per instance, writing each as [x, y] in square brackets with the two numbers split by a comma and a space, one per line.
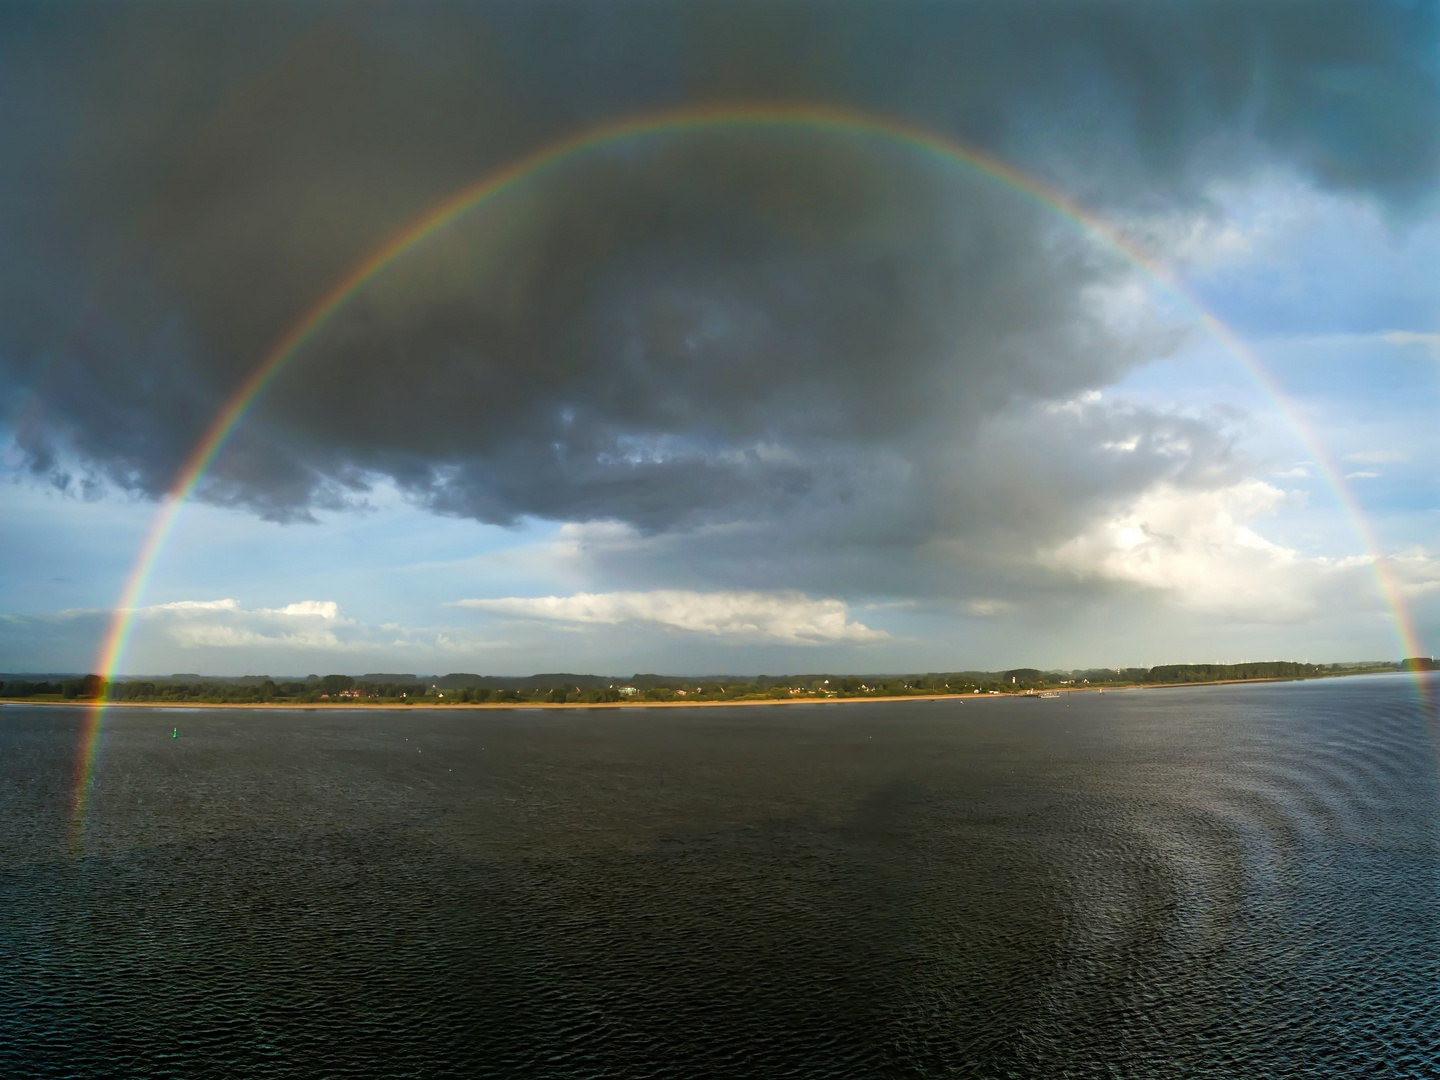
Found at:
[1217, 882]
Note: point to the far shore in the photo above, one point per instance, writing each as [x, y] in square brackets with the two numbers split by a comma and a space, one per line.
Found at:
[353, 704]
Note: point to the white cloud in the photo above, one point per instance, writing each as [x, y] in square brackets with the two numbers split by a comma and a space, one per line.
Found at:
[322, 609]
[306, 624]
[789, 617]
[1415, 574]
[1363, 474]
[188, 606]
[1123, 446]
[1205, 242]
[1430, 342]
[218, 635]
[1198, 548]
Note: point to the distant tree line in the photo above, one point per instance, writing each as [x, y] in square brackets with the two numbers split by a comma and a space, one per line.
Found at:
[258, 690]
[1278, 669]
[464, 689]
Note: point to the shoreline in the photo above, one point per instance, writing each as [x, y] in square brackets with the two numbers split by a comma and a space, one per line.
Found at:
[315, 706]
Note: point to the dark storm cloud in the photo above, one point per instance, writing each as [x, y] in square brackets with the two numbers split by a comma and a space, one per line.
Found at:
[691, 332]
[948, 520]
[716, 326]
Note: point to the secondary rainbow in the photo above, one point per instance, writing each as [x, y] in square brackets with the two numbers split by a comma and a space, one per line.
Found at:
[650, 125]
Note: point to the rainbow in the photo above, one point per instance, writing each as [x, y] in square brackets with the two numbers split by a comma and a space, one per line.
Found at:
[812, 118]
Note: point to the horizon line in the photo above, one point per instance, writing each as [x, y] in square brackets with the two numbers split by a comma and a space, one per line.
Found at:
[175, 676]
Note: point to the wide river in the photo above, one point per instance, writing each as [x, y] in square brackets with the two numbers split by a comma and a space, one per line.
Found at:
[1237, 882]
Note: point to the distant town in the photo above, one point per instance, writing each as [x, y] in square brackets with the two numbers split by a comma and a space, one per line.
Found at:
[563, 688]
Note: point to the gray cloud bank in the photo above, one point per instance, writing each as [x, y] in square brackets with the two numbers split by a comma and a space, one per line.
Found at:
[832, 346]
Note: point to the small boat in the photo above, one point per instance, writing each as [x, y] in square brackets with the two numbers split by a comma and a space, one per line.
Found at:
[1050, 693]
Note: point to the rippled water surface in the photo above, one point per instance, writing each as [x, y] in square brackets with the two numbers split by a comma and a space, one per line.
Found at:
[1214, 882]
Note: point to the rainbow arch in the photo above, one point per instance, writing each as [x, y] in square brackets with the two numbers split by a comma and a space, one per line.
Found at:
[649, 125]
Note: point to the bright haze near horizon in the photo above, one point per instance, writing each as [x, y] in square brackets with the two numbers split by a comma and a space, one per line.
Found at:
[725, 398]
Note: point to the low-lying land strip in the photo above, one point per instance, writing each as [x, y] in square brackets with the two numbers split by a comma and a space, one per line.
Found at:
[593, 691]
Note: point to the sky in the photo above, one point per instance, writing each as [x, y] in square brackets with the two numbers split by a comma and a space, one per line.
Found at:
[717, 398]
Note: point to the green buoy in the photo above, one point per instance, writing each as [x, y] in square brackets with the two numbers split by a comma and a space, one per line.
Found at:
[175, 734]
